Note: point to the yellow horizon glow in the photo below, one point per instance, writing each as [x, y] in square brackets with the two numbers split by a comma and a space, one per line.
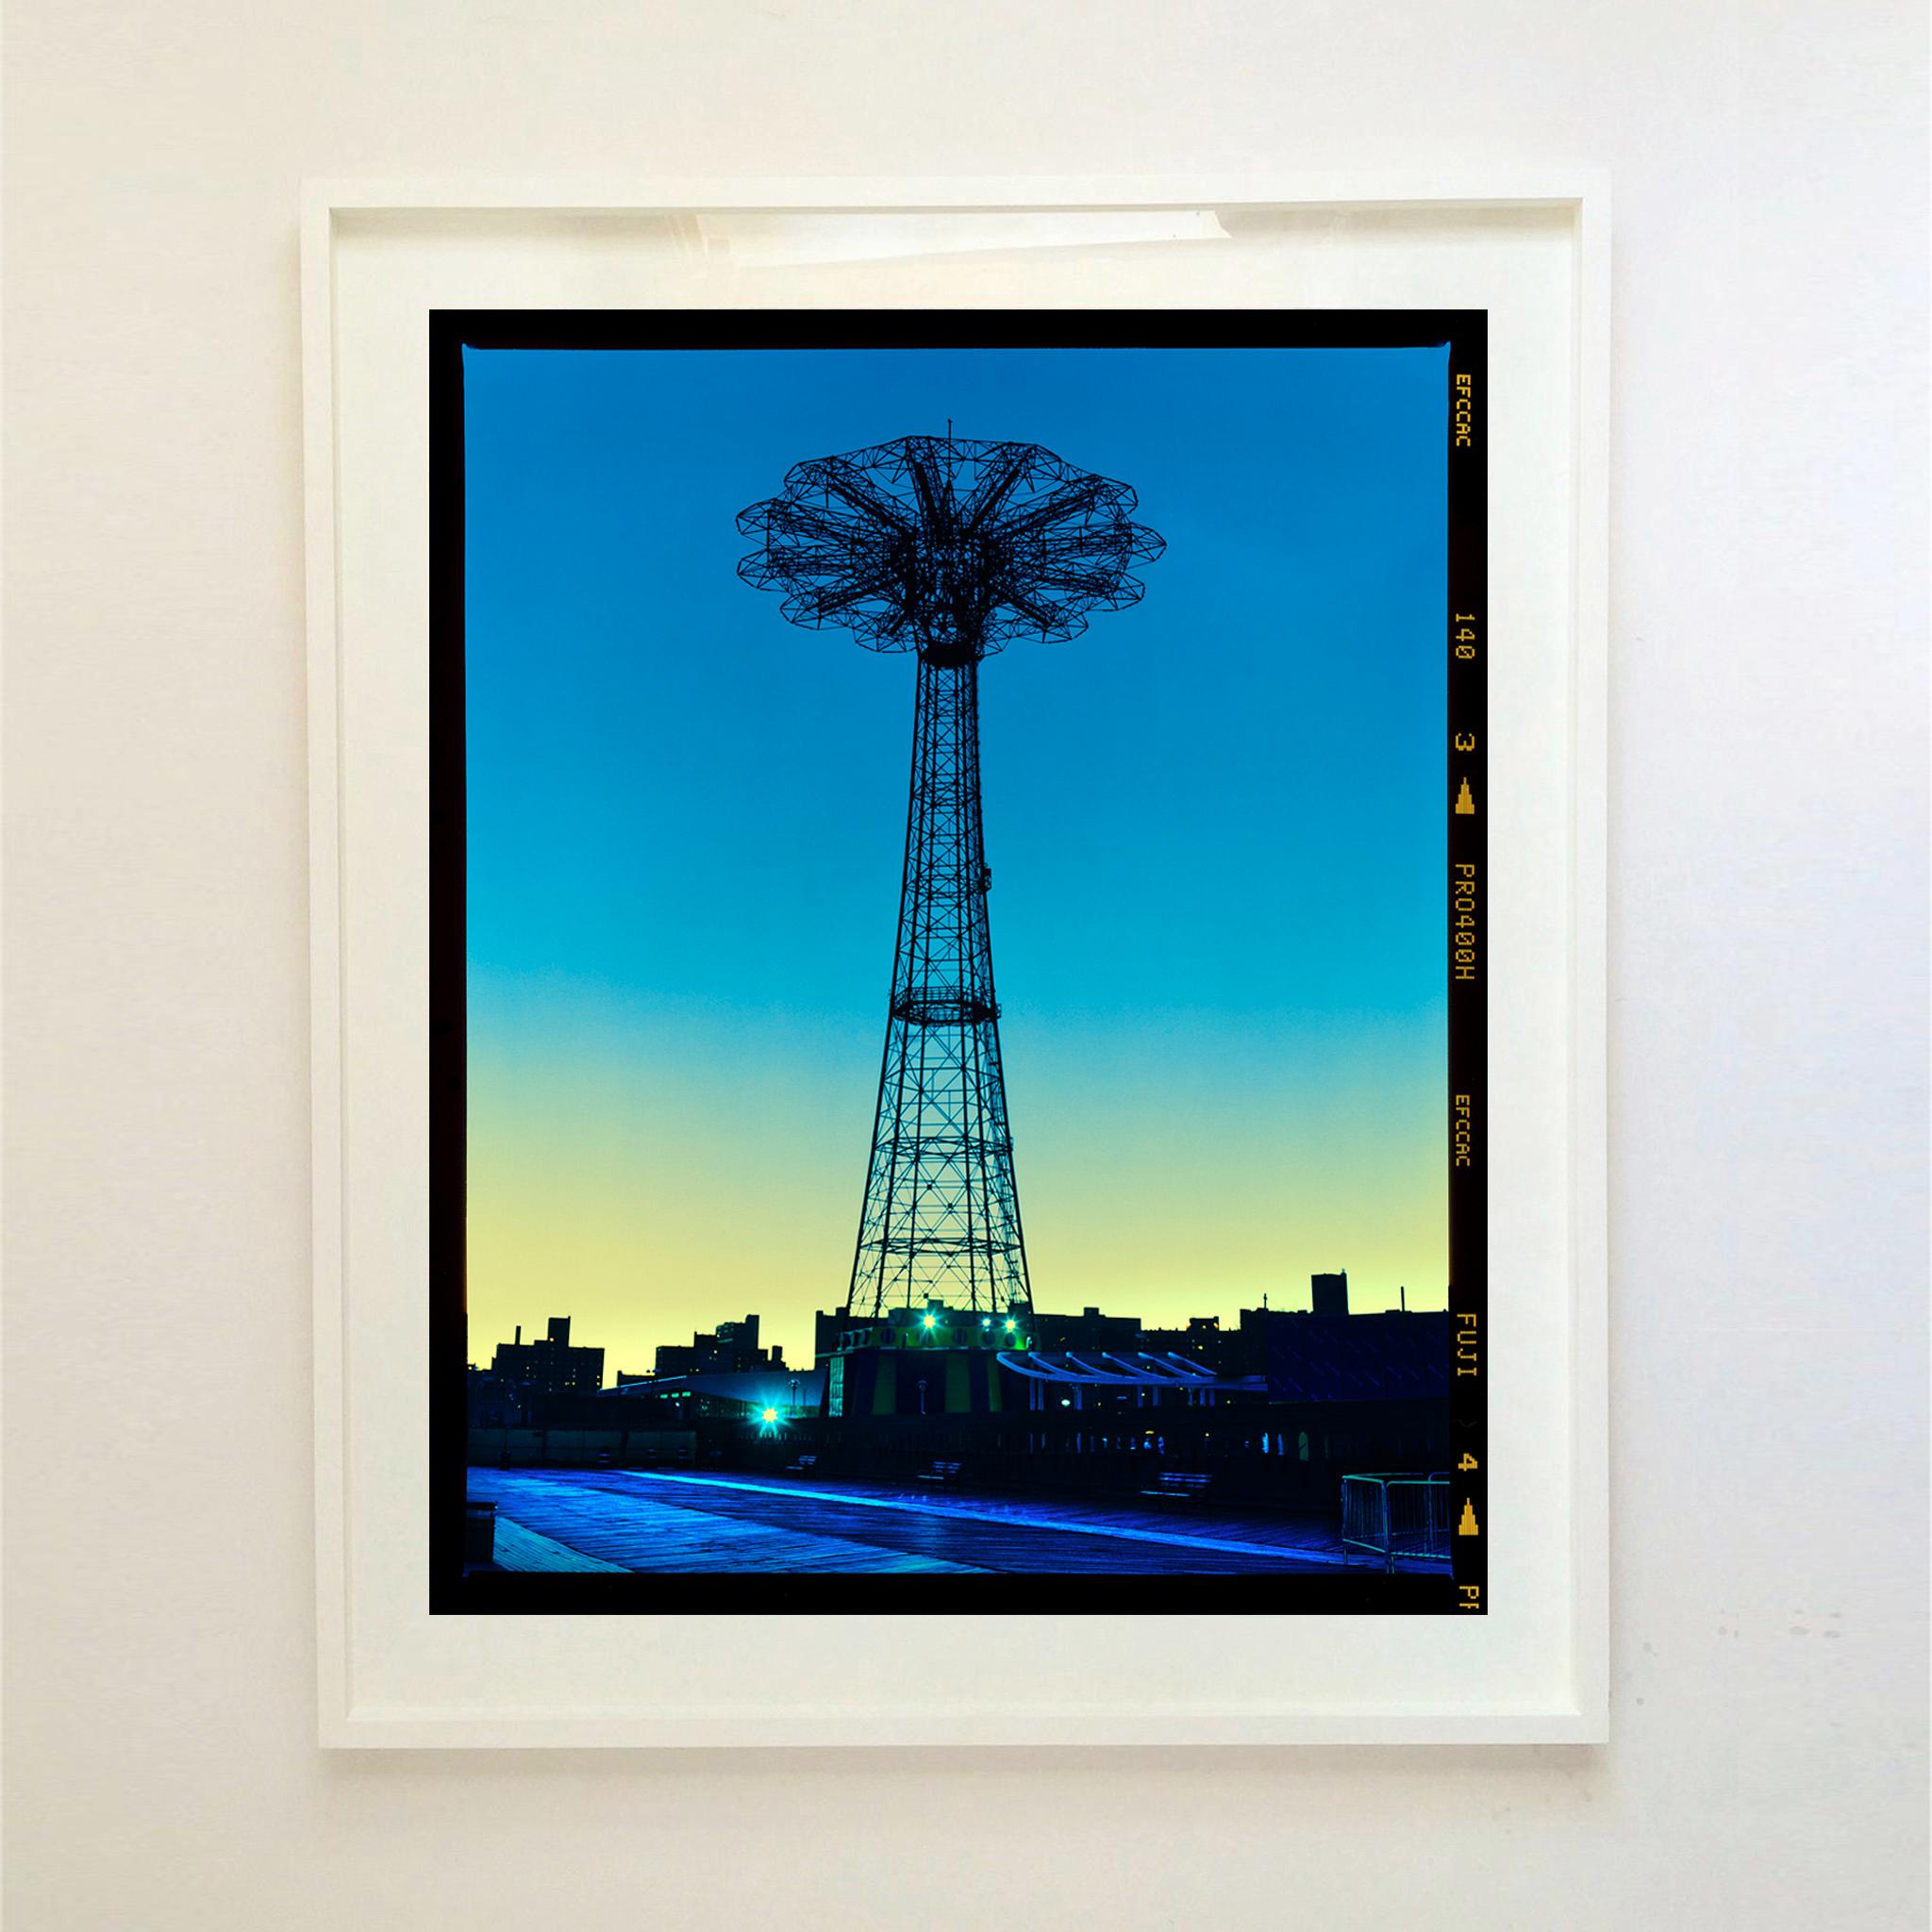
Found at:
[649, 1197]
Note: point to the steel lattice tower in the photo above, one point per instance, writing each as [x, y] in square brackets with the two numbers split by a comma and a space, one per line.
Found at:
[951, 549]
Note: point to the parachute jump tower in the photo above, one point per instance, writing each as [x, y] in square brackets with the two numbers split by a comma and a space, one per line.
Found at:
[951, 549]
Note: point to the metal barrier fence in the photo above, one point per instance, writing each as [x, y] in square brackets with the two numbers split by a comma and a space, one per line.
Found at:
[1393, 1516]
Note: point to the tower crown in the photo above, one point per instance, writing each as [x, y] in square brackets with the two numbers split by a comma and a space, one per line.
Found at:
[946, 546]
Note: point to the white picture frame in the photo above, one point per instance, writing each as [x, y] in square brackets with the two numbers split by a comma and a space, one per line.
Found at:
[1536, 254]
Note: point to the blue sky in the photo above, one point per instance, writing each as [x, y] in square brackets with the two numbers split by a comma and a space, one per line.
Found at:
[1215, 824]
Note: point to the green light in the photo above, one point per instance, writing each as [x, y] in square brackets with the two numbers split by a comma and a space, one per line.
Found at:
[1010, 1326]
[770, 1415]
[929, 1320]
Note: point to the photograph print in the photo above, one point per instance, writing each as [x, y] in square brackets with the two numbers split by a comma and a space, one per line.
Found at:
[957, 994]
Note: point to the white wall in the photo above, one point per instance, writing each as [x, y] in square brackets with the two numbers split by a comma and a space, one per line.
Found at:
[1768, 685]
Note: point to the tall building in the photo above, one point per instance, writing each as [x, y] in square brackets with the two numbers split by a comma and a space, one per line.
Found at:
[1331, 1292]
[551, 1366]
[740, 1340]
[732, 1349]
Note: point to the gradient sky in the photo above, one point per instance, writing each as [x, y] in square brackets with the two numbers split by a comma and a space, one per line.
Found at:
[1215, 822]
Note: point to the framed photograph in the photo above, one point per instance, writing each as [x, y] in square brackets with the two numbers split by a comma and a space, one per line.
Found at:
[731, 608]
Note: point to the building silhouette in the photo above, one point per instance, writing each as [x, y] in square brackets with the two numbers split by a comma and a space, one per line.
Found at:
[1330, 1293]
[730, 1349]
[1089, 1328]
[549, 1366]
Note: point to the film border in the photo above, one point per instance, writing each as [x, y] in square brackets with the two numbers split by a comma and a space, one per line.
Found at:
[1464, 1588]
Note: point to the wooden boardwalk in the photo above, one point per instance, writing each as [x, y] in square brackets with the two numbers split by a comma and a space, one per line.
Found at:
[643, 1519]
[519, 1547]
[602, 1514]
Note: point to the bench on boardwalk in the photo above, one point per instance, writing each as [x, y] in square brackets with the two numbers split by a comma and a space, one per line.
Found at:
[1179, 1485]
[940, 1470]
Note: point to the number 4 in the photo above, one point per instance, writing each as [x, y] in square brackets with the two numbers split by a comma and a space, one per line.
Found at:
[1468, 1461]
